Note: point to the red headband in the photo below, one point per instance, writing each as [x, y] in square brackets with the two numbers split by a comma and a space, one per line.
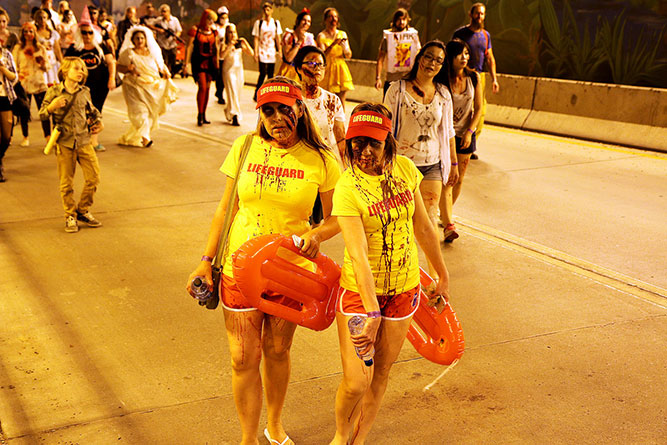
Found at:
[368, 124]
[283, 93]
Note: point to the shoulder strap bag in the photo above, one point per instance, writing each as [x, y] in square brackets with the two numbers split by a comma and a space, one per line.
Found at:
[216, 268]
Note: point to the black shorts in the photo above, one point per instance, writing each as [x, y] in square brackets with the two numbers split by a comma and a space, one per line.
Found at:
[4, 103]
[431, 172]
[471, 148]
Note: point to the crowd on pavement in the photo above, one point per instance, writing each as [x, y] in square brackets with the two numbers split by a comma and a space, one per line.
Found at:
[392, 172]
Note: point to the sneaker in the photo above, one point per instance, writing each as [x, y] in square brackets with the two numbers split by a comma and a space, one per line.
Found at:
[100, 147]
[88, 219]
[450, 233]
[71, 225]
[25, 142]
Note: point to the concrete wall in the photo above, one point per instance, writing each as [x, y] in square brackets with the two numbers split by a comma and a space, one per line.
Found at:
[616, 114]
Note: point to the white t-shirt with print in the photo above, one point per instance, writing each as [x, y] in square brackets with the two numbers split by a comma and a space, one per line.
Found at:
[268, 34]
[326, 109]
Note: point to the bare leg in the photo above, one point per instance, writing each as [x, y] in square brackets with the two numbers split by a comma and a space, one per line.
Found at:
[446, 203]
[244, 331]
[463, 161]
[276, 343]
[430, 191]
[356, 380]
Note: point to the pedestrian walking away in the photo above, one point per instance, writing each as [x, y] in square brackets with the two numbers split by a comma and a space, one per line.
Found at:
[287, 147]
[71, 106]
[380, 211]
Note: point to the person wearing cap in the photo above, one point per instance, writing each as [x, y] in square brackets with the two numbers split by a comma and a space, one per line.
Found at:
[380, 211]
[423, 123]
[287, 165]
[221, 28]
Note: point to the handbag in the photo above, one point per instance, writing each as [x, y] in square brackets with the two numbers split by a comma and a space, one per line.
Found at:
[216, 268]
[20, 106]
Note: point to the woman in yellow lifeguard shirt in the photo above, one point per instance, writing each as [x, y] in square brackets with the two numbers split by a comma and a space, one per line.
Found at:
[380, 211]
[287, 166]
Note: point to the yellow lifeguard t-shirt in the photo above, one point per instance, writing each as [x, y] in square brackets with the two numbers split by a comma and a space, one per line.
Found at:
[277, 189]
[387, 219]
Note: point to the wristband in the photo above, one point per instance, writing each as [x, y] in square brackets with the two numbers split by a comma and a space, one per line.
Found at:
[374, 314]
[455, 163]
[207, 258]
[471, 132]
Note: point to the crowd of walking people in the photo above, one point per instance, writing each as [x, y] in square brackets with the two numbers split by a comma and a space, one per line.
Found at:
[392, 172]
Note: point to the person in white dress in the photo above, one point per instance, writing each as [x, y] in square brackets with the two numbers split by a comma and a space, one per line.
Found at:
[232, 72]
[147, 86]
[50, 40]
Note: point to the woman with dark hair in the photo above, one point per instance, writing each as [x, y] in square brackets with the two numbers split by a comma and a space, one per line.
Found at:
[31, 64]
[293, 41]
[8, 77]
[467, 97]
[201, 60]
[147, 86]
[325, 107]
[50, 40]
[423, 124]
[334, 43]
[7, 38]
[101, 65]
[286, 167]
[380, 211]
[232, 72]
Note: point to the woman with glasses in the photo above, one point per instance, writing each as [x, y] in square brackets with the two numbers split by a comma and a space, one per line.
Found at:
[380, 211]
[101, 65]
[336, 47]
[287, 165]
[423, 123]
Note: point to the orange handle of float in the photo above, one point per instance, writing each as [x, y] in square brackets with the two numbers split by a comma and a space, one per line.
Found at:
[437, 337]
[258, 270]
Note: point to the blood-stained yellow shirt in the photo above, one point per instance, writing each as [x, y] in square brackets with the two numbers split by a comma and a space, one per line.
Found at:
[386, 206]
[277, 189]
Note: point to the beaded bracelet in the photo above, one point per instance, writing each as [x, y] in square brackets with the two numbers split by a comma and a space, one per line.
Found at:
[207, 258]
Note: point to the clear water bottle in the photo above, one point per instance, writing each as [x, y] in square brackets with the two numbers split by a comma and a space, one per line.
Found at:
[356, 325]
[199, 289]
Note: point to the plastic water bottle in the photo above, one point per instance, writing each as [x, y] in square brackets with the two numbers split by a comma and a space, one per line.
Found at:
[199, 289]
[356, 325]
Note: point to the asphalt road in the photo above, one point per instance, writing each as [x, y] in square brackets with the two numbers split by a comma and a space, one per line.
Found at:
[558, 279]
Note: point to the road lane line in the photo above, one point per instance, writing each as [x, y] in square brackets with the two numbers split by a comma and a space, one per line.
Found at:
[616, 280]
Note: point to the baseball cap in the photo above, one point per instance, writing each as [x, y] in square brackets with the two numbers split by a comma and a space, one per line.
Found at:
[368, 124]
[223, 10]
[280, 92]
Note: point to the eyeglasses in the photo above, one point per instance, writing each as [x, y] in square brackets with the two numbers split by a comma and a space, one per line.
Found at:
[86, 33]
[315, 65]
[429, 58]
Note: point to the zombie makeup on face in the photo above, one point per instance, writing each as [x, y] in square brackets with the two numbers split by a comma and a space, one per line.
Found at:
[280, 121]
[368, 154]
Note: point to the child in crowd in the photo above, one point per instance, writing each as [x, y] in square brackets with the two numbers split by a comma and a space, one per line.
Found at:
[76, 118]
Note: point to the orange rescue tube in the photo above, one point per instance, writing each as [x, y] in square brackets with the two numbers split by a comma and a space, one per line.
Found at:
[259, 271]
[437, 337]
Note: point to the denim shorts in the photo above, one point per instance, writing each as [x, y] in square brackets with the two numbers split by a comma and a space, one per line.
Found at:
[431, 172]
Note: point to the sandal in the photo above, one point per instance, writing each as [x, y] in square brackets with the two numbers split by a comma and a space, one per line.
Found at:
[274, 441]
